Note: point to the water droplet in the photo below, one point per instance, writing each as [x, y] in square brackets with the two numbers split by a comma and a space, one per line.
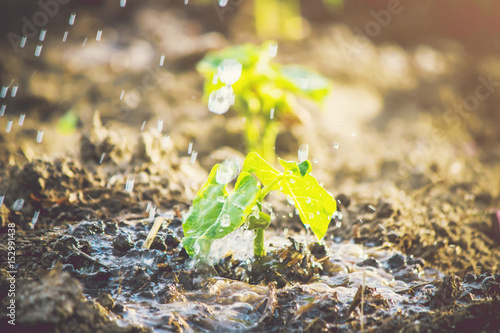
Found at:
[21, 119]
[223, 3]
[9, 126]
[72, 18]
[273, 49]
[335, 146]
[338, 224]
[65, 36]
[43, 32]
[4, 91]
[229, 71]
[18, 204]
[190, 147]
[272, 215]
[1, 199]
[228, 170]
[220, 100]
[38, 50]
[162, 60]
[292, 181]
[123, 3]
[220, 198]
[129, 185]
[271, 115]
[215, 79]
[159, 126]
[144, 124]
[85, 41]
[225, 221]
[303, 152]
[99, 35]
[308, 200]
[311, 216]
[13, 93]
[318, 213]
[39, 136]
[2, 109]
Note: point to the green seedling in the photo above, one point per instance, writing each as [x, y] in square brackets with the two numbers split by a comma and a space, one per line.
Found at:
[265, 93]
[215, 212]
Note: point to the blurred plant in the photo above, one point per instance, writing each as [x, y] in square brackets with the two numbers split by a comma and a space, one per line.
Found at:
[265, 95]
[215, 213]
[68, 123]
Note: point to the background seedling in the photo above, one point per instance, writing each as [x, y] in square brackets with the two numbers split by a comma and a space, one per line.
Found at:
[215, 213]
[262, 92]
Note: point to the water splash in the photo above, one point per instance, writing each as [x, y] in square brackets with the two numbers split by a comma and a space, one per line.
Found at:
[228, 170]
[220, 100]
[229, 71]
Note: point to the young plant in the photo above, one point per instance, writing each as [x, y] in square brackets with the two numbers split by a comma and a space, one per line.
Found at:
[215, 213]
[264, 93]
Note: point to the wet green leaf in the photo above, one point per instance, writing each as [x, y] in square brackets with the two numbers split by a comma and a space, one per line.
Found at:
[215, 213]
[314, 203]
[258, 166]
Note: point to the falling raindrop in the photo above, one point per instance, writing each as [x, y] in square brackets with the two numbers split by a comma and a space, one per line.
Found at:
[143, 124]
[159, 126]
[123, 3]
[9, 126]
[215, 79]
[162, 60]
[2, 110]
[4, 91]
[129, 186]
[229, 71]
[85, 41]
[72, 18]
[165, 141]
[65, 36]
[13, 93]
[39, 137]
[1, 199]
[228, 170]
[38, 50]
[271, 115]
[122, 94]
[102, 158]
[193, 157]
[186, 2]
[190, 147]
[220, 100]
[303, 152]
[273, 49]
[18, 204]
[34, 219]
[21, 119]
[152, 212]
[335, 146]
[43, 32]
[223, 3]
[23, 42]
[99, 35]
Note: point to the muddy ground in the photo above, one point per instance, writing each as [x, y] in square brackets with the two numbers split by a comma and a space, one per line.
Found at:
[408, 143]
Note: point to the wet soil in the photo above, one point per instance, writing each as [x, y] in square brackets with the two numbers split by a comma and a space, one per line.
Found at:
[414, 246]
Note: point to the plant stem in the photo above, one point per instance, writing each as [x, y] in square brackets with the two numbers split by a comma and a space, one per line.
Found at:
[268, 188]
[258, 244]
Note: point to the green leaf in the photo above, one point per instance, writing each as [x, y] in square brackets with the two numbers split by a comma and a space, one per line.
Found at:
[314, 203]
[315, 86]
[261, 222]
[258, 166]
[215, 214]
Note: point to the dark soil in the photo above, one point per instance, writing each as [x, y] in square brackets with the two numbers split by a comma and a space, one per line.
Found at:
[414, 246]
